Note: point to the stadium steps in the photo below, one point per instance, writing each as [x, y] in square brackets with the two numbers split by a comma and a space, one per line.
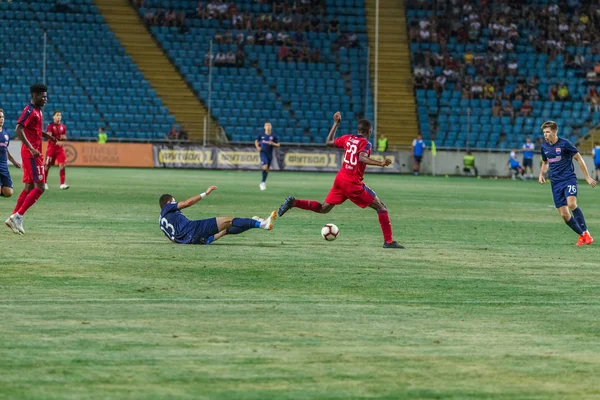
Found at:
[397, 115]
[586, 144]
[176, 95]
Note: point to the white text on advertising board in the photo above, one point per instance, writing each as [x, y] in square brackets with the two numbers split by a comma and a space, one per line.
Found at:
[310, 160]
[239, 158]
[197, 157]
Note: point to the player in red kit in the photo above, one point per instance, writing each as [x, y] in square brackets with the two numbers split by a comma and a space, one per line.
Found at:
[348, 183]
[29, 132]
[56, 151]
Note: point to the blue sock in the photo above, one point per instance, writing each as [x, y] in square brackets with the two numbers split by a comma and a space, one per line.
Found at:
[236, 231]
[245, 223]
[578, 214]
[575, 226]
[265, 174]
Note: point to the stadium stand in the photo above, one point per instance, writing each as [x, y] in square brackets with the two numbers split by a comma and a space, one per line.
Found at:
[506, 66]
[89, 76]
[297, 92]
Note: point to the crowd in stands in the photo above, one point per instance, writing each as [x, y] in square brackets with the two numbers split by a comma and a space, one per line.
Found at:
[177, 134]
[162, 17]
[490, 69]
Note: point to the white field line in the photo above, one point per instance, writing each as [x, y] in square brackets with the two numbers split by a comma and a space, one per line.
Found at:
[5, 302]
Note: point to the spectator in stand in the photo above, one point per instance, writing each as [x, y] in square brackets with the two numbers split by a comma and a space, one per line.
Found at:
[563, 92]
[149, 17]
[315, 56]
[526, 109]
[170, 18]
[208, 58]
[512, 67]
[269, 38]
[293, 54]
[334, 26]
[593, 99]
[477, 90]
[240, 57]
[315, 24]
[304, 54]
[250, 39]
[230, 58]
[440, 84]
[283, 52]
[488, 90]
[553, 95]
[173, 133]
[201, 11]
[220, 59]
[183, 135]
[228, 37]
[469, 57]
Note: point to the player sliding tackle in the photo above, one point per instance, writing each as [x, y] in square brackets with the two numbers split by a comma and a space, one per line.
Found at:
[559, 154]
[348, 183]
[183, 231]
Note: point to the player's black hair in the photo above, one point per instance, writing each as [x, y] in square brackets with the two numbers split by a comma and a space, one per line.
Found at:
[364, 126]
[1, 111]
[56, 112]
[165, 199]
[38, 88]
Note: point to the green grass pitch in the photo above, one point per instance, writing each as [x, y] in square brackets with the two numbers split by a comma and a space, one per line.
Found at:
[491, 299]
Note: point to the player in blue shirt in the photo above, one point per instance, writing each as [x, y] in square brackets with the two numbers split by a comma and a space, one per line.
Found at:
[180, 230]
[528, 149]
[515, 167]
[558, 154]
[6, 186]
[596, 154]
[265, 143]
[418, 150]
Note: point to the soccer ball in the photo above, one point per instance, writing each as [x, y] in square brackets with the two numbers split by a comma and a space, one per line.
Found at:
[330, 232]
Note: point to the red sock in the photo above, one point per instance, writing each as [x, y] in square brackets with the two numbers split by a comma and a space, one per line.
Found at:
[63, 174]
[386, 226]
[309, 205]
[30, 200]
[20, 200]
[47, 171]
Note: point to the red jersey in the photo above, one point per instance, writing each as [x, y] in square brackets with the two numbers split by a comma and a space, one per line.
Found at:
[31, 121]
[56, 130]
[352, 170]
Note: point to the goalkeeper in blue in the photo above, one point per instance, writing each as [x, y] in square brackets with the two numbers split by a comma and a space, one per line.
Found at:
[558, 154]
[181, 230]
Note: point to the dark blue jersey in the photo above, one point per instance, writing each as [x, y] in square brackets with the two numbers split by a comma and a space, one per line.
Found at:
[560, 158]
[263, 141]
[4, 141]
[175, 225]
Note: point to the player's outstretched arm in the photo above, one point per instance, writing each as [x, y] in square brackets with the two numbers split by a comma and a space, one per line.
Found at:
[12, 160]
[365, 159]
[543, 169]
[49, 137]
[337, 117]
[585, 171]
[193, 200]
[257, 145]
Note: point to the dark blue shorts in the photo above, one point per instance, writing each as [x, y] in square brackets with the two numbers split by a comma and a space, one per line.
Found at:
[516, 168]
[204, 231]
[562, 190]
[528, 162]
[418, 158]
[5, 178]
[598, 166]
[265, 159]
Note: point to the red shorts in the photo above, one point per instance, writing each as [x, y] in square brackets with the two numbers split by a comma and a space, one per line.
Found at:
[33, 168]
[55, 155]
[358, 193]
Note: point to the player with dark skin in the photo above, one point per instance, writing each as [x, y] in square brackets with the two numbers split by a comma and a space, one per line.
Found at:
[348, 183]
[38, 100]
[377, 204]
